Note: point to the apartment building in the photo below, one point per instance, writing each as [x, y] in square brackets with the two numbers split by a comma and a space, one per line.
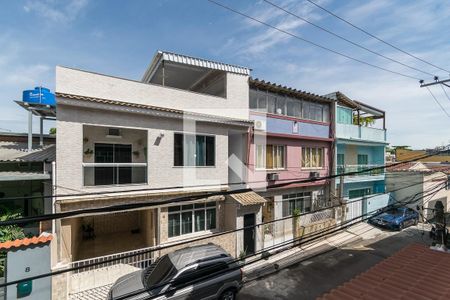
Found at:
[180, 131]
[360, 132]
[291, 143]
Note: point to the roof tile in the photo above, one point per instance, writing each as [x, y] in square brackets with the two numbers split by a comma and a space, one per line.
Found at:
[43, 238]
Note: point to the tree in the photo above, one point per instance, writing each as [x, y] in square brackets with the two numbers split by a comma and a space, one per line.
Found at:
[52, 130]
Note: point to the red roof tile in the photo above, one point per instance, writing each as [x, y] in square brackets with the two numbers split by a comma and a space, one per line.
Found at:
[26, 242]
[415, 272]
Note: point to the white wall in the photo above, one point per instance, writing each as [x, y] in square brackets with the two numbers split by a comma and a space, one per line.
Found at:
[160, 158]
[70, 81]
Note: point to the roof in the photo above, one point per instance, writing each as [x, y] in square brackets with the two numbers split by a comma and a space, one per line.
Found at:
[183, 257]
[13, 151]
[414, 272]
[419, 167]
[343, 99]
[193, 61]
[197, 116]
[278, 88]
[248, 198]
[15, 176]
[42, 239]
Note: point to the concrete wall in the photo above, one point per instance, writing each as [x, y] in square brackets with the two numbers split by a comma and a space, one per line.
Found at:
[84, 83]
[26, 262]
[160, 158]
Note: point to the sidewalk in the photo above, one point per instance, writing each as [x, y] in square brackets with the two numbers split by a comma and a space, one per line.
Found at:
[355, 233]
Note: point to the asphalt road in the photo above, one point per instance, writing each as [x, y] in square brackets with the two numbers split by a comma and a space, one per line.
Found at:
[316, 276]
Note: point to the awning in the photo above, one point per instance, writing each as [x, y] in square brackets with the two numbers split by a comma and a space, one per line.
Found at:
[248, 198]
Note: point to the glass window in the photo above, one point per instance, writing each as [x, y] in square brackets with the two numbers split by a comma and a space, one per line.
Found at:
[280, 105]
[190, 218]
[262, 101]
[253, 99]
[312, 157]
[271, 103]
[112, 153]
[194, 150]
[270, 157]
[300, 201]
[326, 113]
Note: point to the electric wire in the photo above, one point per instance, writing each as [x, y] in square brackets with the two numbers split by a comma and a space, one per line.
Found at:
[311, 42]
[445, 92]
[348, 222]
[437, 101]
[376, 37]
[346, 40]
[293, 241]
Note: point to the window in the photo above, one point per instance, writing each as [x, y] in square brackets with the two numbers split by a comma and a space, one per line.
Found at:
[270, 157]
[112, 153]
[312, 157]
[358, 193]
[194, 150]
[190, 218]
[300, 201]
[340, 163]
[272, 103]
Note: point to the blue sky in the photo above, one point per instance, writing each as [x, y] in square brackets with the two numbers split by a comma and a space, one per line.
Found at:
[120, 37]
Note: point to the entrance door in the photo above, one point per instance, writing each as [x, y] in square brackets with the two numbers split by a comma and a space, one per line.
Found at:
[249, 234]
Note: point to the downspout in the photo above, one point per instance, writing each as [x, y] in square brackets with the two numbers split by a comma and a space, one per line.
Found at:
[247, 162]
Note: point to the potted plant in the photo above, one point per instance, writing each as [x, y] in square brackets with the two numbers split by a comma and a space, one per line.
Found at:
[297, 228]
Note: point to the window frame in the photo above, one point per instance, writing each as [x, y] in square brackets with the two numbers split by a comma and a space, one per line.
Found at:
[206, 206]
[275, 148]
[205, 148]
[288, 198]
[311, 167]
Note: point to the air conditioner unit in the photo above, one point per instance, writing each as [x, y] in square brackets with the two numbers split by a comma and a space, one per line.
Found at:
[272, 176]
[314, 175]
[260, 125]
[114, 132]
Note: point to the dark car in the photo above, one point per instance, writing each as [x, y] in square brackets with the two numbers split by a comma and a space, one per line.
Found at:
[396, 218]
[197, 272]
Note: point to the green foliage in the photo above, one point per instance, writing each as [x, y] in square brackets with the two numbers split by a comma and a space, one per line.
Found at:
[364, 121]
[296, 213]
[8, 233]
[242, 254]
[52, 130]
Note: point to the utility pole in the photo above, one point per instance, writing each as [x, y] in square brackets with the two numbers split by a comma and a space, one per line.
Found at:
[445, 82]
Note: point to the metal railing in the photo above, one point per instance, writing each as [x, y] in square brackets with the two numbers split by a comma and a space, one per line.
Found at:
[344, 169]
[96, 174]
[140, 258]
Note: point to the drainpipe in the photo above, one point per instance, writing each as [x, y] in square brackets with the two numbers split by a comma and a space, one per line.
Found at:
[249, 141]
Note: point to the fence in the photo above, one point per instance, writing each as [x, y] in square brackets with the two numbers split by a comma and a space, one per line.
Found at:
[140, 258]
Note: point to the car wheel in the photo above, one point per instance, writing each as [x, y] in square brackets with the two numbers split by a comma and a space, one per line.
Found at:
[401, 226]
[228, 295]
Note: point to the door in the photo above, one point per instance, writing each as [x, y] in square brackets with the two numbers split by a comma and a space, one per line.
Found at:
[249, 234]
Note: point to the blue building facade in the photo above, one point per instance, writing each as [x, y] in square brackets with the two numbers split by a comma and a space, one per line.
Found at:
[360, 144]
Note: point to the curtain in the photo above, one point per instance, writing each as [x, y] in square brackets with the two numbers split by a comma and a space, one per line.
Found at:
[269, 157]
[199, 218]
[189, 150]
[200, 147]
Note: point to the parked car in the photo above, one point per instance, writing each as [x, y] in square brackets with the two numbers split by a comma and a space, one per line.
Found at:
[396, 218]
[197, 272]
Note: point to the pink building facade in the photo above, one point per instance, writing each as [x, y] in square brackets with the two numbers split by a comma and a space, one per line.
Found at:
[291, 144]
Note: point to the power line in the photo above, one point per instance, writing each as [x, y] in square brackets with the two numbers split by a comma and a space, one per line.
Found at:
[315, 236]
[375, 37]
[345, 39]
[445, 92]
[188, 198]
[435, 99]
[311, 42]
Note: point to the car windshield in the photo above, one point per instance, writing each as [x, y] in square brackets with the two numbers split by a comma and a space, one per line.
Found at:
[163, 271]
[395, 212]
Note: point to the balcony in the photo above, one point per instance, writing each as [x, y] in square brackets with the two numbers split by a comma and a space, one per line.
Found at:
[355, 132]
[372, 175]
[96, 174]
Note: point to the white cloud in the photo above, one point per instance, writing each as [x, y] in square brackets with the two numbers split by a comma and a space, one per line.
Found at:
[56, 11]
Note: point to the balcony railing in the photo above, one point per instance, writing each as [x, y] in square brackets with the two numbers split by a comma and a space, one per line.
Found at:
[96, 174]
[344, 169]
[350, 131]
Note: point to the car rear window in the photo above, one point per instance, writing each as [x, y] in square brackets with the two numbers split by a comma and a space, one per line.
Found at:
[163, 271]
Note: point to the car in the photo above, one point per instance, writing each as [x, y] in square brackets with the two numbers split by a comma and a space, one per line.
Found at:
[196, 272]
[396, 218]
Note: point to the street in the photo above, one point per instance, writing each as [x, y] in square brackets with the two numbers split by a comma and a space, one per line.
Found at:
[313, 277]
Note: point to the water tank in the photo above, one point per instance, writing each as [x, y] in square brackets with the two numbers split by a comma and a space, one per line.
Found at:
[39, 95]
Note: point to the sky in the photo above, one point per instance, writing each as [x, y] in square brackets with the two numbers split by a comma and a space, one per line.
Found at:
[119, 38]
